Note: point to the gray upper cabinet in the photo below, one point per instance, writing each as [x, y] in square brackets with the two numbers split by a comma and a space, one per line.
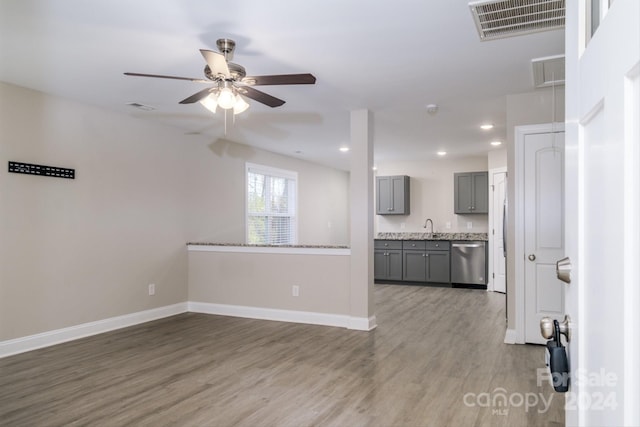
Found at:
[471, 193]
[392, 195]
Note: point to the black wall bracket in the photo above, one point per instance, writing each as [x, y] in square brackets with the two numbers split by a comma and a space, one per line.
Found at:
[31, 169]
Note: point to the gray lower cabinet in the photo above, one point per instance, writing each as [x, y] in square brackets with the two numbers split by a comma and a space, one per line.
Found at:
[438, 267]
[426, 261]
[471, 193]
[387, 260]
[415, 266]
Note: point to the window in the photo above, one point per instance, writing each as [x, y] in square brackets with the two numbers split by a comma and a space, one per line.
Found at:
[271, 206]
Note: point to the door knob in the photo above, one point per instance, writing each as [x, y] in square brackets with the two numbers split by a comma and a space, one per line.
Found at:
[547, 329]
[563, 269]
[532, 257]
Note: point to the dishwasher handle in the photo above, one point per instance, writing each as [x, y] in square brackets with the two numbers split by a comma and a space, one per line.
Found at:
[466, 245]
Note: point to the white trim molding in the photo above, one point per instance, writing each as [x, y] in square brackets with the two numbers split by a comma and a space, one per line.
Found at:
[510, 336]
[519, 253]
[491, 234]
[58, 336]
[261, 313]
[362, 323]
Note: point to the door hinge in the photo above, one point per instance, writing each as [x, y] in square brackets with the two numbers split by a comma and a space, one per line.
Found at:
[493, 275]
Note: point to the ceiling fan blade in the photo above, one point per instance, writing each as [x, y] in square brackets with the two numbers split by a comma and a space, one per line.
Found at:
[280, 79]
[159, 76]
[197, 96]
[260, 96]
[217, 63]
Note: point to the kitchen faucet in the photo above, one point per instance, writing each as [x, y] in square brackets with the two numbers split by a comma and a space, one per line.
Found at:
[427, 222]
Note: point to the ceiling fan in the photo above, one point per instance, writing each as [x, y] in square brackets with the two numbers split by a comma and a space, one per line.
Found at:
[231, 81]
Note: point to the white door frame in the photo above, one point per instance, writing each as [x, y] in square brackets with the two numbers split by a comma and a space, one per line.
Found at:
[602, 106]
[492, 172]
[519, 253]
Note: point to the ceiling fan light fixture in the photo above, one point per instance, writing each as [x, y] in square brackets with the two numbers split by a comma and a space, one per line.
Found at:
[210, 103]
[240, 105]
[226, 98]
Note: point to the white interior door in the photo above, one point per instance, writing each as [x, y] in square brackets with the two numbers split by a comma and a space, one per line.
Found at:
[543, 229]
[602, 211]
[498, 274]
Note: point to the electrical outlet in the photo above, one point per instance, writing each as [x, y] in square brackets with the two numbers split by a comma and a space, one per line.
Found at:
[402, 225]
[295, 290]
[447, 225]
[469, 225]
[152, 289]
[329, 224]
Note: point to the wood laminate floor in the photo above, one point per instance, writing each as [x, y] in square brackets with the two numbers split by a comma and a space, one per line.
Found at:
[436, 359]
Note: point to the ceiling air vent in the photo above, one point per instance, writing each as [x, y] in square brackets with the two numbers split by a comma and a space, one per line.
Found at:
[140, 106]
[497, 19]
[548, 71]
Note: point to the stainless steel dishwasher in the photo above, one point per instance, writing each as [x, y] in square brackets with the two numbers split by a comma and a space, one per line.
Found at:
[468, 263]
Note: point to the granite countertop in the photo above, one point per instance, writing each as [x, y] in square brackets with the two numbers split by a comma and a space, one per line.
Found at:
[433, 236]
[268, 246]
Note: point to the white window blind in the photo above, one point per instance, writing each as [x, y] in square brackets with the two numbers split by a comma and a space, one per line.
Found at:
[271, 205]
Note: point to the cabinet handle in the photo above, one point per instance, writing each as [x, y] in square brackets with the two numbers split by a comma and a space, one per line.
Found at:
[386, 244]
[437, 245]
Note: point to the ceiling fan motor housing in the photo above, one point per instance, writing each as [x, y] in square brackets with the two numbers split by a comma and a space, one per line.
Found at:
[226, 47]
[237, 72]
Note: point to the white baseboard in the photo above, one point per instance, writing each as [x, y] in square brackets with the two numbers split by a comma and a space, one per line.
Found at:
[307, 317]
[58, 336]
[510, 336]
[362, 323]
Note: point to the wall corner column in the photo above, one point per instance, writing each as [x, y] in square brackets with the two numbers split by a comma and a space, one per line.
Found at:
[361, 303]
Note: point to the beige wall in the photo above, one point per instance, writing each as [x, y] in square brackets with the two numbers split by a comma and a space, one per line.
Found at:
[497, 159]
[431, 196]
[216, 178]
[266, 280]
[76, 251]
[524, 109]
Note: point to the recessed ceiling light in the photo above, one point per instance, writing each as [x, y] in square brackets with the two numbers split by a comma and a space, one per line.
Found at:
[432, 109]
[442, 153]
[375, 168]
[486, 126]
[496, 143]
[344, 149]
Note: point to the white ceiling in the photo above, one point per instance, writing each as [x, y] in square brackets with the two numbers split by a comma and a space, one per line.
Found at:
[393, 58]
